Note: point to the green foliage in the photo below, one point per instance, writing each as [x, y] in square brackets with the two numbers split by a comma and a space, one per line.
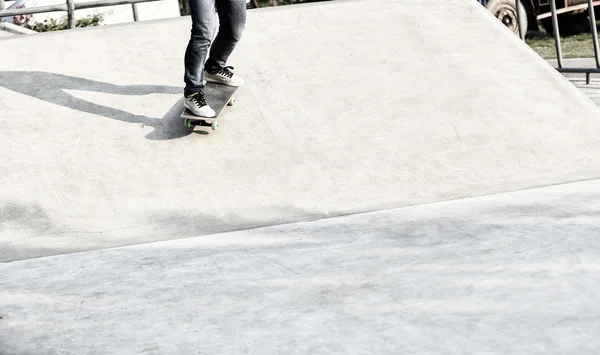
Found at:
[26, 21]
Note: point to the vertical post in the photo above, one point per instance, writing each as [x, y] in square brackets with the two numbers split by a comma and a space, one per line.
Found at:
[2, 5]
[71, 13]
[556, 33]
[521, 34]
[594, 32]
[135, 12]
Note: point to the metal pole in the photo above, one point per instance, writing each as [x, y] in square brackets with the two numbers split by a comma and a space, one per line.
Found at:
[521, 34]
[71, 13]
[135, 12]
[2, 7]
[64, 7]
[556, 33]
[594, 31]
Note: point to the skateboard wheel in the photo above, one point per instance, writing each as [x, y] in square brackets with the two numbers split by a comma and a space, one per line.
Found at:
[214, 125]
[231, 102]
[188, 123]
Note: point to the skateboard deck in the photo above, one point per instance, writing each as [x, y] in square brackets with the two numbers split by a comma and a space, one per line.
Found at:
[217, 96]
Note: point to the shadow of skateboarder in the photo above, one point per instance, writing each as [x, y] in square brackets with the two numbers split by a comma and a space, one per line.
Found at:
[50, 88]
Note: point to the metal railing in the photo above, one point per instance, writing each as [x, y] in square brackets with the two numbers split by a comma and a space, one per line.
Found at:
[594, 30]
[70, 6]
[559, 56]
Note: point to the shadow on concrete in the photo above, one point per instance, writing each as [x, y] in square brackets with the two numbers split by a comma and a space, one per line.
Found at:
[49, 87]
[36, 232]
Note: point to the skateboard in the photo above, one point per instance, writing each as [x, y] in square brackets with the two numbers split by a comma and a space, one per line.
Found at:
[217, 96]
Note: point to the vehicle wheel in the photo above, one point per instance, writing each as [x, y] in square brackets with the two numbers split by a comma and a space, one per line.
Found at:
[506, 12]
[568, 25]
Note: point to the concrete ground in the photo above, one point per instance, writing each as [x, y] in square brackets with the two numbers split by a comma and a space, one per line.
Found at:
[513, 273]
[8, 29]
[370, 192]
[591, 89]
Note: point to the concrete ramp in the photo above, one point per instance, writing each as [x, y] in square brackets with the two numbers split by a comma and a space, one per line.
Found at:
[349, 106]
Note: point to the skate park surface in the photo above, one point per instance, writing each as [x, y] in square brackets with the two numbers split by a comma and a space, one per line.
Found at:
[391, 180]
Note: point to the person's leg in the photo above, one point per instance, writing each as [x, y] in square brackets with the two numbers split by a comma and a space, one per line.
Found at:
[203, 14]
[204, 22]
[232, 19]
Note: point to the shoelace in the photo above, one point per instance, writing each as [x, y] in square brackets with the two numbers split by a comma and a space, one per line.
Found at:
[199, 100]
[227, 71]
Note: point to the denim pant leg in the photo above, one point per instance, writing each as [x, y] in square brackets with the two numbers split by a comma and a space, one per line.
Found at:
[204, 22]
[232, 20]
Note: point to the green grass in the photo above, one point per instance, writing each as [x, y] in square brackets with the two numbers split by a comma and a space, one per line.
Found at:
[576, 46]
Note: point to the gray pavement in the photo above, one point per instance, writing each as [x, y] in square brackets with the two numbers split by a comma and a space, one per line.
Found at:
[370, 192]
[8, 29]
[591, 89]
[515, 273]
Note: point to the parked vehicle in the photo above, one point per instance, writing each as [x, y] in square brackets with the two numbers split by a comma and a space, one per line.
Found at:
[572, 14]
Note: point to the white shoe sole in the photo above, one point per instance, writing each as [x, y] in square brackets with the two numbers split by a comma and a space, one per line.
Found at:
[208, 113]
